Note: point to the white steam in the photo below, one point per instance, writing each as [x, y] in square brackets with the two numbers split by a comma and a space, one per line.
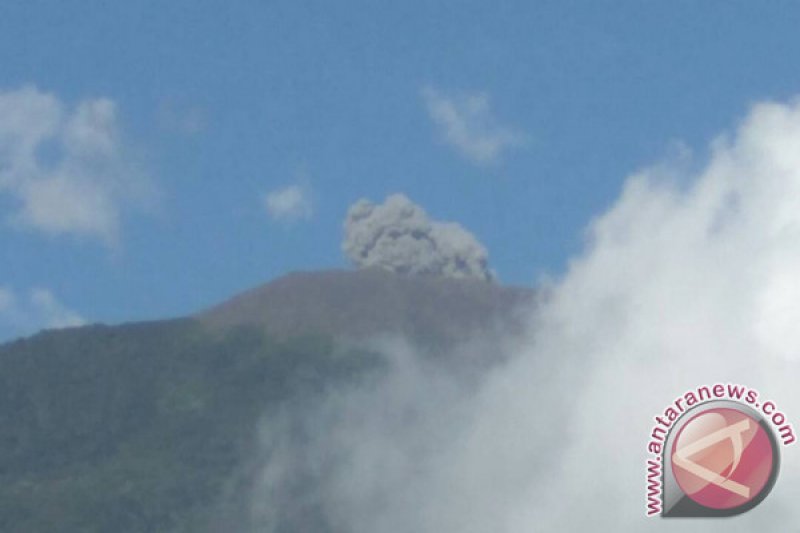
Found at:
[691, 278]
[399, 236]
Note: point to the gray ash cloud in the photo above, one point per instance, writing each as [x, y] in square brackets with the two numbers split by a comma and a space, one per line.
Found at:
[398, 235]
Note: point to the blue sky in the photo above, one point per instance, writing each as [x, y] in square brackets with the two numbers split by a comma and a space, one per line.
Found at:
[520, 121]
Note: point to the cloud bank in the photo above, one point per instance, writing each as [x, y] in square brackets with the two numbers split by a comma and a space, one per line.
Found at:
[65, 169]
[399, 236]
[466, 122]
[690, 278]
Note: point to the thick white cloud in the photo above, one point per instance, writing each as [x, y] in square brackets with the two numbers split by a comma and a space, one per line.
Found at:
[65, 168]
[289, 204]
[691, 278]
[33, 310]
[399, 236]
[466, 122]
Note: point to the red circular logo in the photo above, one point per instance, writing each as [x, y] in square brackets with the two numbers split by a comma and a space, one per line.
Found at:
[722, 458]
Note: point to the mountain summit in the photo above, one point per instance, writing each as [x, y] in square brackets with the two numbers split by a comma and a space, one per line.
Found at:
[355, 304]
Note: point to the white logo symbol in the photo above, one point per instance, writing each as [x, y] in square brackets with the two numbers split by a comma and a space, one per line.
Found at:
[734, 433]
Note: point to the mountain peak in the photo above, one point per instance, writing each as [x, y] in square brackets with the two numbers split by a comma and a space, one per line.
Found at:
[360, 303]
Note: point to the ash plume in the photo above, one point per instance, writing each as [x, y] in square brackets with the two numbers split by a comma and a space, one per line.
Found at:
[399, 236]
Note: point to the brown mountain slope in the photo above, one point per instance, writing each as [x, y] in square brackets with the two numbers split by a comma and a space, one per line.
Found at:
[356, 304]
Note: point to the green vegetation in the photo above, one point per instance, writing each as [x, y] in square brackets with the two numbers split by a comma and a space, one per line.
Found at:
[145, 427]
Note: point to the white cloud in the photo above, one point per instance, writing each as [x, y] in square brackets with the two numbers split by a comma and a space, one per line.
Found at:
[7, 300]
[289, 204]
[689, 279]
[65, 168]
[36, 309]
[53, 314]
[467, 123]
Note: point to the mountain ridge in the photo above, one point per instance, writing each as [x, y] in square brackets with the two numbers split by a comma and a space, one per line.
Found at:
[355, 304]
